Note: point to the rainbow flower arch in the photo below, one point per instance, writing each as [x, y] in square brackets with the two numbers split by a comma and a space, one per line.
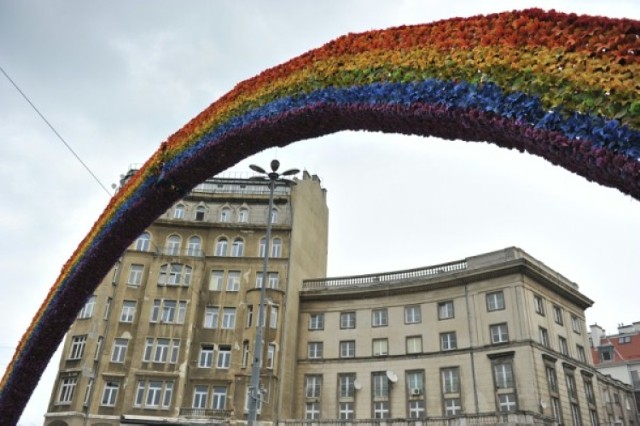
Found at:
[560, 86]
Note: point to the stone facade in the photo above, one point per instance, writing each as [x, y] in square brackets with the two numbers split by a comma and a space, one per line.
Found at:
[169, 334]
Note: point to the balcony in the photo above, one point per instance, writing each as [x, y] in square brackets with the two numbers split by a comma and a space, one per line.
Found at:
[203, 413]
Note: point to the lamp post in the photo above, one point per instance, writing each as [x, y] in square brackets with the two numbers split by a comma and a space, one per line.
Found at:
[254, 387]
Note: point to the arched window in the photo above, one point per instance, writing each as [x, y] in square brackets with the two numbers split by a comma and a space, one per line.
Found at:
[200, 213]
[237, 248]
[173, 245]
[143, 242]
[193, 246]
[221, 247]
[178, 212]
[262, 247]
[174, 274]
[225, 214]
[243, 215]
[274, 216]
[276, 247]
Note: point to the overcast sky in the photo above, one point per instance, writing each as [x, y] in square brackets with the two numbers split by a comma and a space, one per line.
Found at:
[116, 78]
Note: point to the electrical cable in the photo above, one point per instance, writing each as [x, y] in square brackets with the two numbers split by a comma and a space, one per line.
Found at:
[55, 131]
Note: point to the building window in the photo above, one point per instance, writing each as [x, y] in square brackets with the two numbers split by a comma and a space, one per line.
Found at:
[200, 395]
[205, 359]
[110, 394]
[556, 409]
[582, 356]
[161, 349]
[135, 275]
[233, 281]
[221, 247]
[448, 341]
[245, 354]
[168, 311]
[624, 339]
[312, 411]
[243, 215]
[414, 344]
[219, 398]
[66, 390]
[154, 394]
[380, 347]
[588, 390]
[237, 248]
[128, 311]
[87, 392]
[544, 337]
[557, 315]
[271, 356]
[346, 411]
[415, 393]
[98, 348]
[450, 380]
[499, 333]
[379, 317]
[552, 379]
[575, 414]
[538, 304]
[215, 280]
[119, 350]
[199, 216]
[606, 353]
[178, 212]
[316, 321]
[87, 309]
[347, 320]
[314, 350]
[346, 385]
[175, 274]
[262, 247]
[274, 216]
[503, 374]
[380, 395]
[452, 406]
[225, 215]
[173, 245]
[211, 314]
[507, 402]
[143, 242]
[562, 345]
[445, 310]
[273, 317]
[224, 357]
[194, 246]
[274, 280]
[77, 347]
[571, 386]
[107, 309]
[313, 386]
[412, 314]
[348, 349]
[495, 301]
[249, 315]
[276, 247]
[259, 396]
[593, 417]
[576, 324]
[229, 318]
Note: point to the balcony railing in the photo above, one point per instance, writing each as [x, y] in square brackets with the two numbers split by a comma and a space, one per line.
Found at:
[204, 413]
[372, 279]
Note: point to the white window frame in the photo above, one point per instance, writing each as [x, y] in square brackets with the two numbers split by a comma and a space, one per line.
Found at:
[88, 308]
[143, 242]
[233, 281]
[66, 389]
[194, 246]
[136, 272]
[347, 320]
[110, 394]
[237, 247]
[499, 333]
[119, 351]
[379, 317]
[316, 321]
[222, 246]
[446, 310]
[219, 398]
[313, 385]
[450, 380]
[211, 316]
[216, 280]
[380, 347]
[448, 341]
[495, 301]
[228, 318]
[78, 344]
[315, 350]
[348, 349]
[128, 312]
[224, 357]
[200, 397]
[413, 344]
[205, 357]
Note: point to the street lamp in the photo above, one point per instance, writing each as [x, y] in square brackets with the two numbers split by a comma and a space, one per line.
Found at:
[254, 387]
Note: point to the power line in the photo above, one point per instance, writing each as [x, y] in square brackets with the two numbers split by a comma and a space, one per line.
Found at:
[55, 131]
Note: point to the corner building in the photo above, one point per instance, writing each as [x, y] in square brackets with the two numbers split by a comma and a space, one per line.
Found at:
[497, 338]
[168, 337]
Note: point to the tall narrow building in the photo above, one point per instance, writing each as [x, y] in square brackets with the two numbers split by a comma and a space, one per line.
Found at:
[168, 336]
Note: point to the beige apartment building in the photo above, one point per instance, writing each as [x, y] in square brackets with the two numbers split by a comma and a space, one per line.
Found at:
[497, 338]
[167, 338]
